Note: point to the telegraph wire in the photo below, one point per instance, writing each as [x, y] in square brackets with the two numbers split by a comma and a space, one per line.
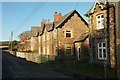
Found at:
[29, 17]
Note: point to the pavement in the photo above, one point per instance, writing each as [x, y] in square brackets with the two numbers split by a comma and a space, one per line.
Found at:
[14, 67]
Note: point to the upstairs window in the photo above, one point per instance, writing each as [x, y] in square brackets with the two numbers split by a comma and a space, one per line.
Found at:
[100, 21]
[101, 51]
[68, 33]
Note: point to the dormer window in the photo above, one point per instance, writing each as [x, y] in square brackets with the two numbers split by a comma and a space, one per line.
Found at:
[100, 21]
[68, 33]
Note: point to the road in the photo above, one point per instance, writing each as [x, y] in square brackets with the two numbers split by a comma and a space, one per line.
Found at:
[13, 67]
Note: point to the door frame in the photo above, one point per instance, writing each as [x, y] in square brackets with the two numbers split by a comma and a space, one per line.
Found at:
[78, 52]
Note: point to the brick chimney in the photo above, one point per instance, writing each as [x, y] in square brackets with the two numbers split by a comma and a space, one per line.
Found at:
[44, 22]
[57, 16]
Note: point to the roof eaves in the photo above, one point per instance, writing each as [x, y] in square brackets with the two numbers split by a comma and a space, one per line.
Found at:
[81, 37]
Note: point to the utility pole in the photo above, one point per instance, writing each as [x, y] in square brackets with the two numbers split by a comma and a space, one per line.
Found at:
[11, 39]
[9, 42]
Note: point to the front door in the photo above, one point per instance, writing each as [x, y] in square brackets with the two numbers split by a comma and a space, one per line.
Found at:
[79, 51]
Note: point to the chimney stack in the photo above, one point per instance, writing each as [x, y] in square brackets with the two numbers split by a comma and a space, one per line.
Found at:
[57, 16]
[44, 22]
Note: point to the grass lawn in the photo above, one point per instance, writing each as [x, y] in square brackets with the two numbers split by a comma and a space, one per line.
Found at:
[85, 69]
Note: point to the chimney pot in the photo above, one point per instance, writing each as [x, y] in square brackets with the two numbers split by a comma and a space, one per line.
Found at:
[55, 12]
[57, 16]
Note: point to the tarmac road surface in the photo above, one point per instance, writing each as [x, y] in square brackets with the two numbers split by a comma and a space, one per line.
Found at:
[13, 67]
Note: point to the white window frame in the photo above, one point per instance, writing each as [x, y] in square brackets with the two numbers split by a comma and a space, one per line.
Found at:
[70, 32]
[44, 51]
[102, 53]
[101, 20]
[69, 47]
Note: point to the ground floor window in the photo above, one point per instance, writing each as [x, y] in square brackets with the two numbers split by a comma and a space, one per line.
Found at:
[101, 51]
[48, 50]
[69, 50]
[79, 52]
[44, 51]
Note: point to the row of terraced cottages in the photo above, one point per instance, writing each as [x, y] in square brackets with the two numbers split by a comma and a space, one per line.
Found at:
[71, 35]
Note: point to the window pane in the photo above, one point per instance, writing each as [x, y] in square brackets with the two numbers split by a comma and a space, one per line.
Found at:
[103, 23]
[100, 45]
[104, 53]
[103, 44]
[68, 33]
[98, 16]
[102, 16]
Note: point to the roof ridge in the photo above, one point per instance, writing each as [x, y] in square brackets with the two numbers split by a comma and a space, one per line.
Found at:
[64, 17]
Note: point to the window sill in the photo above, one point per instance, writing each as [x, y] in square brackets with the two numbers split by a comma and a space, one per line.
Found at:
[100, 29]
[101, 59]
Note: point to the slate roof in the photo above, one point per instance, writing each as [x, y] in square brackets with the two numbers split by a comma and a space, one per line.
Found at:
[49, 26]
[34, 31]
[22, 34]
[67, 16]
[40, 29]
[81, 37]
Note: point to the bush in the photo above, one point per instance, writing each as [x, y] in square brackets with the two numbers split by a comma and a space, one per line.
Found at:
[13, 45]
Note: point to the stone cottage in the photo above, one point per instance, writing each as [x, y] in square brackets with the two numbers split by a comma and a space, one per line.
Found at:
[101, 21]
[57, 38]
[24, 44]
[67, 29]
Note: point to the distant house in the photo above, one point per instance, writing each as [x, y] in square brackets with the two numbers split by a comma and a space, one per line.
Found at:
[24, 41]
[101, 21]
